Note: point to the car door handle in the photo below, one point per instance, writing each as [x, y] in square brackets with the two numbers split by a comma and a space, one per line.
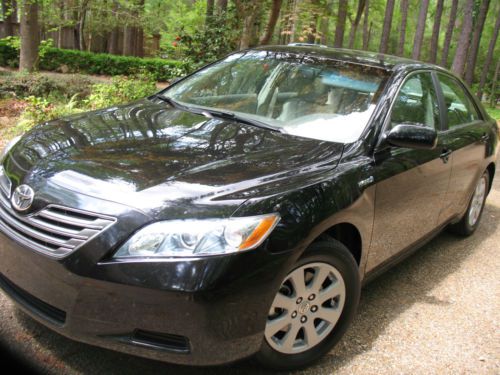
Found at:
[485, 138]
[445, 155]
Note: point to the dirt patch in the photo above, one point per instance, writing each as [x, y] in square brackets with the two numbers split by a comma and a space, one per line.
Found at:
[11, 107]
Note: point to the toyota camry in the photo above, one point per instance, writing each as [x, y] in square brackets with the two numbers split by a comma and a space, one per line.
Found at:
[239, 211]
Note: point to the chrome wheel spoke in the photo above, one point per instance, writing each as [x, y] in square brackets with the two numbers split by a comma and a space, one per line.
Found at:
[332, 291]
[275, 325]
[290, 337]
[329, 314]
[320, 276]
[283, 302]
[298, 281]
[311, 335]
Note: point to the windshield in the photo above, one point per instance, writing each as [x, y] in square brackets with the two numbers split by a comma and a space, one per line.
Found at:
[321, 99]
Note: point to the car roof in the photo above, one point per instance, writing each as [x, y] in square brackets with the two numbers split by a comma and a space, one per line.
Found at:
[375, 59]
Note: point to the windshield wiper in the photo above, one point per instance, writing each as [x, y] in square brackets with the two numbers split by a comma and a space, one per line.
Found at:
[208, 112]
[176, 104]
[233, 116]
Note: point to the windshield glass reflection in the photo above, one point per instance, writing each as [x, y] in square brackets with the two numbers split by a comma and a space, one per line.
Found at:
[315, 98]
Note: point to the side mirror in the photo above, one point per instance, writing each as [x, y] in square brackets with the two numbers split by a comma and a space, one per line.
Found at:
[412, 136]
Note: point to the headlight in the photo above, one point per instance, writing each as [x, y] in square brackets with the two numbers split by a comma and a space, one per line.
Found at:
[8, 147]
[188, 238]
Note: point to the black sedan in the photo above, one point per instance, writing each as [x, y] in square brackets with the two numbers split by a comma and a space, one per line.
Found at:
[239, 211]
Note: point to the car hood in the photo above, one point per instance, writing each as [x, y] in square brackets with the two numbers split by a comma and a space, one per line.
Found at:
[148, 155]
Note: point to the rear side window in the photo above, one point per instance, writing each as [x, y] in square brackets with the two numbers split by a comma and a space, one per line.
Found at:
[459, 106]
[416, 103]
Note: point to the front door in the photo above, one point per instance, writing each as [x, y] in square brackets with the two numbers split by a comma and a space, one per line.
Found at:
[410, 184]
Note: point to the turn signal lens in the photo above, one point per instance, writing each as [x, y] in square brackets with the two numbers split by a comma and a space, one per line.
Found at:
[260, 233]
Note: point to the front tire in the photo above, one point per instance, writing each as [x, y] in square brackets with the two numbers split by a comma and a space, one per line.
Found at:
[470, 221]
[312, 309]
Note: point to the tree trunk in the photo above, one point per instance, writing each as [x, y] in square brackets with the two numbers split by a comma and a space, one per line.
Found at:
[9, 18]
[419, 34]
[221, 6]
[113, 42]
[114, 34]
[139, 31]
[493, 96]
[81, 26]
[30, 35]
[402, 27]
[449, 33]
[340, 28]
[464, 40]
[476, 40]
[435, 32]
[271, 24]
[139, 42]
[246, 35]
[313, 24]
[386, 30]
[210, 11]
[354, 29]
[489, 57]
[366, 32]
[247, 10]
[293, 21]
[129, 41]
[324, 30]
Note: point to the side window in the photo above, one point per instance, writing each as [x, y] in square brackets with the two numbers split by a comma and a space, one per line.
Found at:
[416, 103]
[459, 106]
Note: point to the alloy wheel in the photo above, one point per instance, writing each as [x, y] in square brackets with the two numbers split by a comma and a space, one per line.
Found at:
[477, 201]
[306, 308]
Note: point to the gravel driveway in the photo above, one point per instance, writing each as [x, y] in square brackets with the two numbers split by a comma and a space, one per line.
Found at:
[437, 312]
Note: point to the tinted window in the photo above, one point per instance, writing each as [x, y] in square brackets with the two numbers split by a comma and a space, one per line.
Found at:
[459, 106]
[416, 102]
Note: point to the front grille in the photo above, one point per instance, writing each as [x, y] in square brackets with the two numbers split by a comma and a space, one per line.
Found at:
[33, 304]
[55, 230]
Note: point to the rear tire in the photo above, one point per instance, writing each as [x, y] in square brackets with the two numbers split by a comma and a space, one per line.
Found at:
[330, 290]
[470, 221]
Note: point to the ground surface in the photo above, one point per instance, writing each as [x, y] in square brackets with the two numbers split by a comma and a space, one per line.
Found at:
[435, 313]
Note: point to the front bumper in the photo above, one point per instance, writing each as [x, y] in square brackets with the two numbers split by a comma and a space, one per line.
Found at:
[203, 311]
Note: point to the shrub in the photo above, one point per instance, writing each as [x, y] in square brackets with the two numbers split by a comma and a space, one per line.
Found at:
[9, 51]
[74, 61]
[24, 84]
[40, 110]
[121, 90]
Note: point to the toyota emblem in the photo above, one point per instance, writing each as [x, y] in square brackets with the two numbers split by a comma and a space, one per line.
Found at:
[22, 198]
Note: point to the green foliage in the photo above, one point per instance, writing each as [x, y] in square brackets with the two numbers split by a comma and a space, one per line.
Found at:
[40, 110]
[43, 97]
[56, 59]
[9, 51]
[207, 44]
[493, 112]
[64, 60]
[41, 85]
[121, 90]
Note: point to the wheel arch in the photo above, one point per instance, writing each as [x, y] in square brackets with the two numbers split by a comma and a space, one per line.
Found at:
[491, 170]
[347, 234]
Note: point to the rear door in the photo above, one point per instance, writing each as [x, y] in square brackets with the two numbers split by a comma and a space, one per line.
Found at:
[411, 184]
[465, 137]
